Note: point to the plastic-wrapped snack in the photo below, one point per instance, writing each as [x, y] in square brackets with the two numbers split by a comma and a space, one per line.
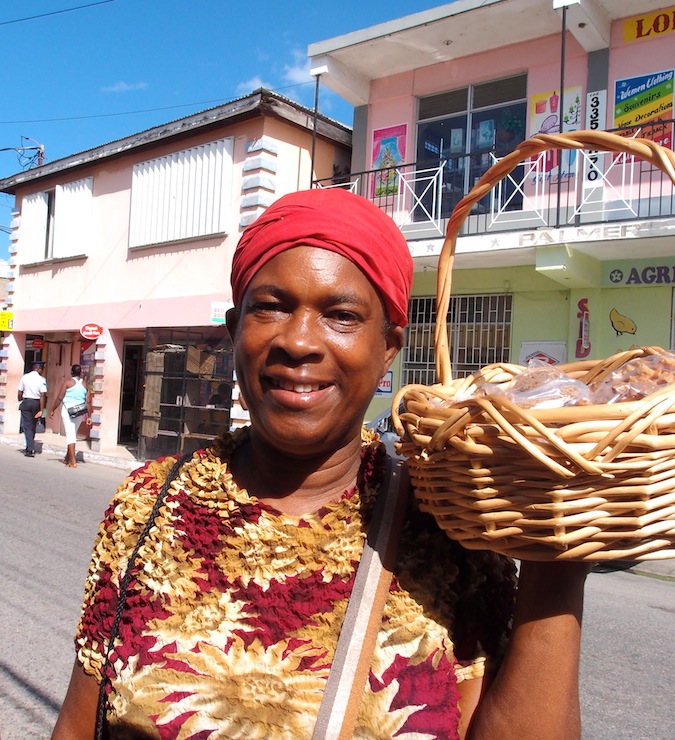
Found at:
[542, 386]
[636, 379]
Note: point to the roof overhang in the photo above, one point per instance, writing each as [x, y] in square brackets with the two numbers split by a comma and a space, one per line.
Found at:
[349, 63]
[259, 103]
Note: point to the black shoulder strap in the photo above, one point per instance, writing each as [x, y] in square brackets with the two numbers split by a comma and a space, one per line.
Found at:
[101, 723]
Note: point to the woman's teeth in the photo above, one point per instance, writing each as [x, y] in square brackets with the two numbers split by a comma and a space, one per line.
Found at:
[297, 387]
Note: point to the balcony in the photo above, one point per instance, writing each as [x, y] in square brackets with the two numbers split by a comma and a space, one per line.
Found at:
[555, 189]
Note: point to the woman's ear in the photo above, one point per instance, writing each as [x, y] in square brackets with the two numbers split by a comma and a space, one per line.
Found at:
[394, 339]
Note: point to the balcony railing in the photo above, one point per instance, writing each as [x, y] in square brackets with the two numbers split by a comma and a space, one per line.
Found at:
[555, 189]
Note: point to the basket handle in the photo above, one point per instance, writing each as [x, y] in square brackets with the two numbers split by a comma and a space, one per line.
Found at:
[650, 151]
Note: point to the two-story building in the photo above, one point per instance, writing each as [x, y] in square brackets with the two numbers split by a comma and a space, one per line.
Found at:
[572, 256]
[120, 261]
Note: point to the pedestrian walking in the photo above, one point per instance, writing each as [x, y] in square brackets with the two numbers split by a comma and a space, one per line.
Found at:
[32, 395]
[76, 400]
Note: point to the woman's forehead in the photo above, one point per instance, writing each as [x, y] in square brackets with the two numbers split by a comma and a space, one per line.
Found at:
[312, 268]
[312, 271]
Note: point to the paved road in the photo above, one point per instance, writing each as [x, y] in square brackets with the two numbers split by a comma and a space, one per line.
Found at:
[628, 659]
[49, 517]
[48, 520]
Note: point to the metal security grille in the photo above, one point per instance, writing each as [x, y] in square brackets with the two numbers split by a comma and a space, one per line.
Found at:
[479, 329]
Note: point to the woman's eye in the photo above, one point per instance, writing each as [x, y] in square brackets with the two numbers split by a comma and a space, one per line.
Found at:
[265, 307]
[345, 317]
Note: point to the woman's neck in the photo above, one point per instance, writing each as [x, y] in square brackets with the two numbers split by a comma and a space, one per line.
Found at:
[295, 485]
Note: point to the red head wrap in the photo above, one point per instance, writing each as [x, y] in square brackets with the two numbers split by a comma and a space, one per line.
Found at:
[341, 222]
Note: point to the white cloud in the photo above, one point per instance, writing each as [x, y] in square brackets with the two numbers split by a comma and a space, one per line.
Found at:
[252, 84]
[298, 72]
[122, 87]
[4, 269]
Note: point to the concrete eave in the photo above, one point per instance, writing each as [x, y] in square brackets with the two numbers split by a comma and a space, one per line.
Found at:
[458, 30]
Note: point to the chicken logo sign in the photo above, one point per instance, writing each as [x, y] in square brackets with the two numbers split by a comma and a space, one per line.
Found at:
[622, 324]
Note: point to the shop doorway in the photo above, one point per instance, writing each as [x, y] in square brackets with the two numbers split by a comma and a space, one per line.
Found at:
[35, 345]
[132, 393]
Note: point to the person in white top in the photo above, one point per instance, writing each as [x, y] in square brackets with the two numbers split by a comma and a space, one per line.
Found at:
[75, 397]
[32, 395]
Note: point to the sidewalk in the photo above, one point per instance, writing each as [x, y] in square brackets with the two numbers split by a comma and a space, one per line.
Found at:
[55, 444]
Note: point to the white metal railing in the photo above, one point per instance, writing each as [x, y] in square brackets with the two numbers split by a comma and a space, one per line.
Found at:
[554, 188]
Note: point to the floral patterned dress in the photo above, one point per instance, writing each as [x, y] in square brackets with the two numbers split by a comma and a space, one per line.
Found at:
[234, 610]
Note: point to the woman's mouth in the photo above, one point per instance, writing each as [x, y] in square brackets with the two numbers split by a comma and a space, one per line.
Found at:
[286, 385]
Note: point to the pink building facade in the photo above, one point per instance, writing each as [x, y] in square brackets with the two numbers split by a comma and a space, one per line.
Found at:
[120, 261]
[571, 256]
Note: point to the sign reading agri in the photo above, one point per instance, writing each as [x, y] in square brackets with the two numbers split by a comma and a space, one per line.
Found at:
[91, 331]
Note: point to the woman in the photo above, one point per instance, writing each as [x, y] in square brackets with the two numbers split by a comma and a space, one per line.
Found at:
[72, 393]
[234, 609]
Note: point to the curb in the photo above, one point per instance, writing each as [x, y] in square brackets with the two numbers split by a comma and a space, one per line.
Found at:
[86, 455]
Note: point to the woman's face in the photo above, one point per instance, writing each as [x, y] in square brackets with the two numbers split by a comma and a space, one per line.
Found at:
[310, 348]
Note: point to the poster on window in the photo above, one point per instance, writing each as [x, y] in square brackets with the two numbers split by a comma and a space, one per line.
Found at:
[547, 111]
[643, 103]
[388, 153]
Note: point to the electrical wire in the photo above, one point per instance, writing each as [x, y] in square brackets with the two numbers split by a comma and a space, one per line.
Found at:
[55, 12]
[144, 110]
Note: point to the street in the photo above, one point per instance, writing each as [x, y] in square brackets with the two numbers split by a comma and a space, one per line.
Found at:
[49, 517]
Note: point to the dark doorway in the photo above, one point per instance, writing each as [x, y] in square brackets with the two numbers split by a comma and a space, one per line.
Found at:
[132, 384]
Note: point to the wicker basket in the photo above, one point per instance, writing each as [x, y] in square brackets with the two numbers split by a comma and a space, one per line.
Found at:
[593, 482]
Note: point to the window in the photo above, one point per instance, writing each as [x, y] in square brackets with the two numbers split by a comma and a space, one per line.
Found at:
[56, 224]
[182, 195]
[479, 329]
[462, 131]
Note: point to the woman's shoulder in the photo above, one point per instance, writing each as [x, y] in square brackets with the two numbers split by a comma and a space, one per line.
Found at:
[136, 495]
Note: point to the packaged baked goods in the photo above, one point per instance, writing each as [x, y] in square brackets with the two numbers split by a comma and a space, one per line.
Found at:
[541, 386]
[636, 379]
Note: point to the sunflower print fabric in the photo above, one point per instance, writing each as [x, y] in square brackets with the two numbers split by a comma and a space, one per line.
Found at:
[234, 610]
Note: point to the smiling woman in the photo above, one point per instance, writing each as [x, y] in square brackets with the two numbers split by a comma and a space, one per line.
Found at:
[220, 612]
[309, 355]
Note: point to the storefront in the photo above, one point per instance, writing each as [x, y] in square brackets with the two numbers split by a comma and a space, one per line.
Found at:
[188, 389]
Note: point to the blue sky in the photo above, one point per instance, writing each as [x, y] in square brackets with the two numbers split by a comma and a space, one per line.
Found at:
[79, 73]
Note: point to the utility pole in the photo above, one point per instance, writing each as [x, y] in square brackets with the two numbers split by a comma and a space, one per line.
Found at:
[36, 159]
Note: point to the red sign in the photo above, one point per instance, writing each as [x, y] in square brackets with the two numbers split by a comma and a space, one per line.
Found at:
[37, 343]
[91, 331]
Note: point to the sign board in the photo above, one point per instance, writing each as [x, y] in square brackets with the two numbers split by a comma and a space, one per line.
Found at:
[6, 320]
[596, 107]
[91, 331]
[386, 386]
[551, 353]
[645, 100]
[219, 311]
[649, 24]
[37, 343]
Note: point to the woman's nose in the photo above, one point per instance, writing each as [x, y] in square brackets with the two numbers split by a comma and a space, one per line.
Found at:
[300, 336]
